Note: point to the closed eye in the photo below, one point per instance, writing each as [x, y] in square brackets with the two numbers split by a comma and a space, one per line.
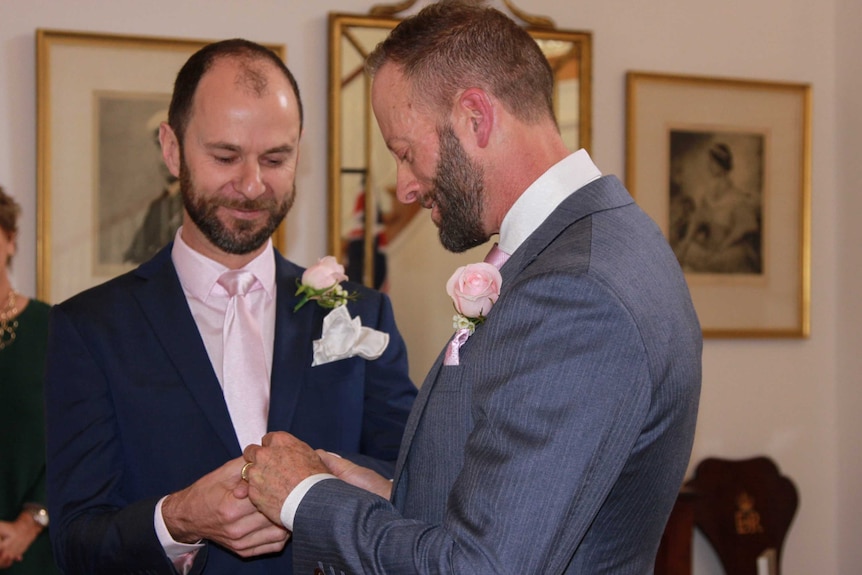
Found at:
[274, 160]
[226, 160]
[401, 157]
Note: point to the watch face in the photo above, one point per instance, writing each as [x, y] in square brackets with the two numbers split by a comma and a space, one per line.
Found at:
[40, 516]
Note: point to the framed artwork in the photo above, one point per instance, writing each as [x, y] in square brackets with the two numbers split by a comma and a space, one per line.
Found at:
[106, 202]
[724, 168]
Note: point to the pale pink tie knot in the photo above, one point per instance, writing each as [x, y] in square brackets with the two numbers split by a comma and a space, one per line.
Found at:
[237, 282]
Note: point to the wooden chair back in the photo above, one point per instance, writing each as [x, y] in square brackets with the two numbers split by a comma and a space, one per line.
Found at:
[744, 508]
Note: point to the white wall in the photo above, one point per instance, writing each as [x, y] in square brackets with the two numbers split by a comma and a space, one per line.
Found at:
[797, 401]
[848, 282]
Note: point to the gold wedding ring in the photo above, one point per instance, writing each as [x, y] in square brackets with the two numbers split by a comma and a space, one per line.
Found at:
[244, 472]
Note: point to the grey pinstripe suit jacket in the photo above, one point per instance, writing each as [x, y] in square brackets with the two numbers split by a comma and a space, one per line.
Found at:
[559, 443]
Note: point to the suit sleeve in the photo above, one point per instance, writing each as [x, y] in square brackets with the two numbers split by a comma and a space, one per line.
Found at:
[94, 529]
[560, 390]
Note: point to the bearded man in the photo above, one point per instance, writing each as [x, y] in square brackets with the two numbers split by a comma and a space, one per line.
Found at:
[552, 435]
[157, 379]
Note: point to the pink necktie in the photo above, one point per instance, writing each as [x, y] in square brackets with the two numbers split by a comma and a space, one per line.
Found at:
[245, 375]
[496, 257]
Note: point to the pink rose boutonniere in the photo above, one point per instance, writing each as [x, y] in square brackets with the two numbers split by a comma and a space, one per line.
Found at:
[322, 283]
[474, 289]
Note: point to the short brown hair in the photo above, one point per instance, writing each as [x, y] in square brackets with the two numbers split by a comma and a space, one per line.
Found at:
[453, 45]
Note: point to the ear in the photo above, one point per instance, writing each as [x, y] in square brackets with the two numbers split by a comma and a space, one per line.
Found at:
[475, 108]
[170, 148]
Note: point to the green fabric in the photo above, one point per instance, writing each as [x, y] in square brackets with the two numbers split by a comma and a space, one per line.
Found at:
[22, 431]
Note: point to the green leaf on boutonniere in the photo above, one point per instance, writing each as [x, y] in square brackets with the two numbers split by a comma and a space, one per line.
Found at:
[331, 297]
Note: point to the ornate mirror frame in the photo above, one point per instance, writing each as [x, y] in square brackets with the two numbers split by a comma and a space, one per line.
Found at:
[358, 159]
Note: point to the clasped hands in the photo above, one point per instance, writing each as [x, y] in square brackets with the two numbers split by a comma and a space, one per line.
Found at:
[239, 504]
[274, 468]
[215, 508]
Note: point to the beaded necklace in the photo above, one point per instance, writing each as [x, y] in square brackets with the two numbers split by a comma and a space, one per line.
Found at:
[8, 321]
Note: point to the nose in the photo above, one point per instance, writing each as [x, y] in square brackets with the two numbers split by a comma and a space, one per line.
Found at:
[251, 181]
[406, 187]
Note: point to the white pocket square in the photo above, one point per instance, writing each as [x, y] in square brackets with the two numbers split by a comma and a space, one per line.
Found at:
[345, 337]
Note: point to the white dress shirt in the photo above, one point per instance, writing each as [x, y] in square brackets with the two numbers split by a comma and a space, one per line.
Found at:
[544, 196]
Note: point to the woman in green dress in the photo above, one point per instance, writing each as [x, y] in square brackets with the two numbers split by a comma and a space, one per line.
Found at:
[24, 545]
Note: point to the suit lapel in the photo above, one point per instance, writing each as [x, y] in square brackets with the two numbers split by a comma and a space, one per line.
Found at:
[601, 194]
[292, 348]
[165, 308]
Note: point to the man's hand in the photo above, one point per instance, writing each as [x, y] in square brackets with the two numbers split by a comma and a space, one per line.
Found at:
[210, 509]
[16, 537]
[278, 466]
[356, 475]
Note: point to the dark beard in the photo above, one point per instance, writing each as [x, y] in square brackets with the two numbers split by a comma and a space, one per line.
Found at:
[244, 238]
[457, 189]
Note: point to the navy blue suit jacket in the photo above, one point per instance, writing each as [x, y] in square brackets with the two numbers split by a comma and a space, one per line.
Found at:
[135, 412]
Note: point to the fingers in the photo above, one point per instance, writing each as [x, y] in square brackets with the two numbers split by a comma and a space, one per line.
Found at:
[249, 454]
[269, 537]
[210, 508]
[241, 490]
[263, 548]
[7, 559]
[14, 541]
[237, 525]
[334, 462]
[356, 475]
[238, 510]
[230, 473]
[277, 438]
[270, 439]
[252, 530]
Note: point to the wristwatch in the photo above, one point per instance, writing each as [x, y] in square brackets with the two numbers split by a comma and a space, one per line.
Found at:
[38, 513]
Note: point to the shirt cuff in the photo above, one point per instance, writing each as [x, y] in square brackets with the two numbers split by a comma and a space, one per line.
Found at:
[291, 504]
[175, 550]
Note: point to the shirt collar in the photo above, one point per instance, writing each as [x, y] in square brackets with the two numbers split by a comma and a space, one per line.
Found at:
[199, 274]
[543, 196]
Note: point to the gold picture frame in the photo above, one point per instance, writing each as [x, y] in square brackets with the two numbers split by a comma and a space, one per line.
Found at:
[99, 170]
[724, 168]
